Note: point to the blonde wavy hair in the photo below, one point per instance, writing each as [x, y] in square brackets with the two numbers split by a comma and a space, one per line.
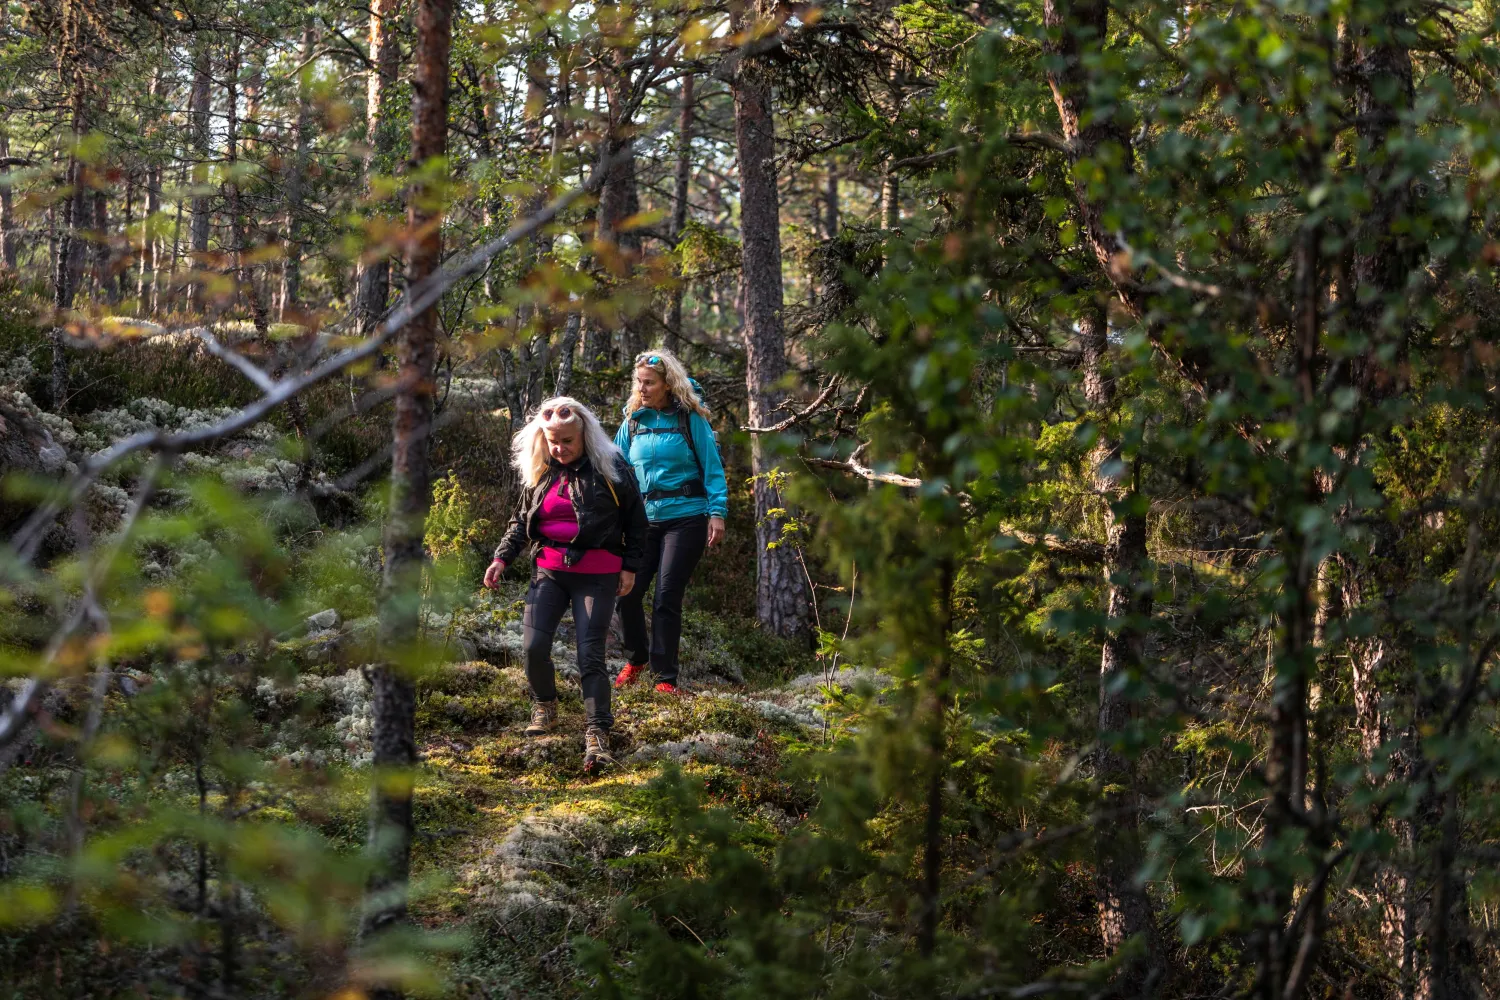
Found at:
[665, 364]
[528, 447]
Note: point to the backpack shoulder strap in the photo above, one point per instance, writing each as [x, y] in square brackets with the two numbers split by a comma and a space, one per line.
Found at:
[685, 428]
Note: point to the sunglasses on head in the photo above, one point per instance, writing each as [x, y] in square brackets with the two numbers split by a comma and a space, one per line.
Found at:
[564, 412]
[653, 361]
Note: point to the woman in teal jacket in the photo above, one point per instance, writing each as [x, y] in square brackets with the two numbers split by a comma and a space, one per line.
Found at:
[670, 444]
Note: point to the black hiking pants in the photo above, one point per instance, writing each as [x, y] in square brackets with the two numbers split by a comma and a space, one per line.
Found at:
[673, 549]
[592, 598]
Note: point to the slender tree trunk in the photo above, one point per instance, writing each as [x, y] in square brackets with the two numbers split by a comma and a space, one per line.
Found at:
[831, 199]
[198, 118]
[385, 54]
[565, 352]
[394, 694]
[680, 209]
[150, 244]
[7, 206]
[103, 280]
[176, 233]
[291, 272]
[70, 248]
[8, 240]
[244, 273]
[146, 275]
[1124, 908]
[619, 199]
[890, 200]
[781, 589]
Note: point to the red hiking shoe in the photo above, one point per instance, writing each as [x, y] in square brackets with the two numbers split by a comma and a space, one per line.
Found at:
[628, 675]
[666, 688]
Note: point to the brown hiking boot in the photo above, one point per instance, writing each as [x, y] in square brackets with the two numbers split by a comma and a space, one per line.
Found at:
[543, 718]
[596, 750]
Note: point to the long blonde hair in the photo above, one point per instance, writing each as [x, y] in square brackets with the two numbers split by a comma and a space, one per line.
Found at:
[665, 364]
[528, 448]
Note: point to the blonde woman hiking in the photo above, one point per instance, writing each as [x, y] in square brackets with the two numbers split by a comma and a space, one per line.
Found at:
[668, 440]
[582, 513]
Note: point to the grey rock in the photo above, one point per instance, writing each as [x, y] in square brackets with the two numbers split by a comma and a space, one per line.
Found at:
[323, 620]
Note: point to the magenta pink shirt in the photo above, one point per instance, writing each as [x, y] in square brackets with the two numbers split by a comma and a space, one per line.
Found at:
[560, 524]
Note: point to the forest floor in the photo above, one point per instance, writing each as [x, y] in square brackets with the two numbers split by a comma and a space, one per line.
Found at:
[521, 851]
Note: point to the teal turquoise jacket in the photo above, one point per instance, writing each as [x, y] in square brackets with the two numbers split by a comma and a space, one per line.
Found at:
[663, 462]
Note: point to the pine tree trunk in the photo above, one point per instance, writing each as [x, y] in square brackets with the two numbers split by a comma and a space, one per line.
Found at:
[781, 595]
[68, 270]
[104, 251]
[8, 240]
[291, 271]
[890, 200]
[394, 694]
[565, 352]
[831, 199]
[680, 209]
[1124, 908]
[8, 247]
[239, 229]
[385, 54]
[146, 276]
[619, 199]
[198, 117]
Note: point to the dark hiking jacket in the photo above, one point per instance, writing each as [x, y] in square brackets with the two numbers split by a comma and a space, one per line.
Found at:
[611, 516]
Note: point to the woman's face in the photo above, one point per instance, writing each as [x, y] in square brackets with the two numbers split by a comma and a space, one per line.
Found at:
[565, 444]
[652, 387]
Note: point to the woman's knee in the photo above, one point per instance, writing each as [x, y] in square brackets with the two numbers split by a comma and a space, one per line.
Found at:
[536, 645]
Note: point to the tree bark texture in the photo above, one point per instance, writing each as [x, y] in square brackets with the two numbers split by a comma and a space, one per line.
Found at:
[198, 119]
[684, 177]
[8, 248]
[781, 595]
[71, 247]
[244, 274]
[890, 200]
[831, 199]
[296, 183]
[8, 238]
[1124, 908]
[394, 693]
[385, 53]
[145, 289]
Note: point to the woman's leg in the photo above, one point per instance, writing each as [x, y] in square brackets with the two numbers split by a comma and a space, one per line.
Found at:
[633, 605]
[593, 604]
[546, 601]
[682, 546]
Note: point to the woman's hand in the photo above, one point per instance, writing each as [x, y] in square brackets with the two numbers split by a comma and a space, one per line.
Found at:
[715, 530]
[492, 575]
[626, 584]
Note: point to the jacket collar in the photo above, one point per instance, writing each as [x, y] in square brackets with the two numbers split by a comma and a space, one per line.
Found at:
[573, 468]
[646, 411]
